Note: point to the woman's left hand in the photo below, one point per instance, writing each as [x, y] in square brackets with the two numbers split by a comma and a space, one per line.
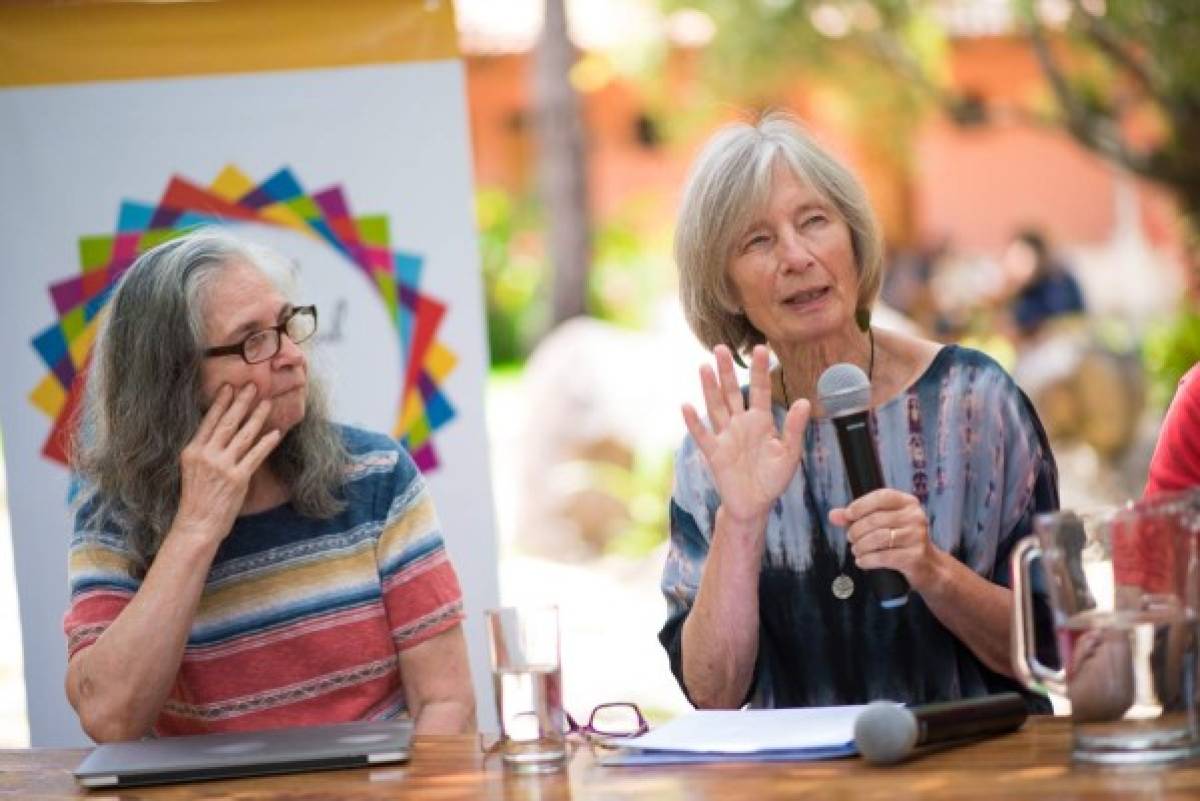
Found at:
[888, 528]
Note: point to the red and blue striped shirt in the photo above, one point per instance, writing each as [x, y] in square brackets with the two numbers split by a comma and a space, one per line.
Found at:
[301, 620]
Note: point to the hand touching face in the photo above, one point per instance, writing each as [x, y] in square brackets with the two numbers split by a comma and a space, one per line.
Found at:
[240, 301]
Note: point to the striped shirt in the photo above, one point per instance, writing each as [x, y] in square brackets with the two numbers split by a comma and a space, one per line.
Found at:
[301, 620]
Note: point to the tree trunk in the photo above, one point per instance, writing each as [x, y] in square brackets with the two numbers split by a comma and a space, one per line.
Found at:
[561, 164]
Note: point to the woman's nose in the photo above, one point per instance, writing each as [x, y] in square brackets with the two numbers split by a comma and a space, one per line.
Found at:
[793, 252]
[289, 352]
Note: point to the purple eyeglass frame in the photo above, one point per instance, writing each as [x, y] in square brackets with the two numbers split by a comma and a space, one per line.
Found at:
[574, 728]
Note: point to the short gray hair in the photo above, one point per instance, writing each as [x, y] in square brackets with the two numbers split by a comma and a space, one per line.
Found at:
[143, 401]
[728, 183]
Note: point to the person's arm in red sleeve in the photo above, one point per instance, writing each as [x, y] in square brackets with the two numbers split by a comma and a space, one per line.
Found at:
[1176, 461]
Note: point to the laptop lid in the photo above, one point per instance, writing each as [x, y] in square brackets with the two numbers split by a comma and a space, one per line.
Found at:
[236, 754]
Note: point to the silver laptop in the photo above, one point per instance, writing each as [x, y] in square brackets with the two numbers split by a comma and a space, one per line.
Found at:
[236, 754]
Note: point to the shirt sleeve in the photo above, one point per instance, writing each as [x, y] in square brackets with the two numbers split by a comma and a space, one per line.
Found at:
[1031, 484]
[421, 593]
[693, 508]
[1176, 461]
[101, 579]
[1030, 477]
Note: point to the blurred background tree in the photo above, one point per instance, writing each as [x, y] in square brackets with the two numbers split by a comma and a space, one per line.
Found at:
[1122, 78]
[562, 164]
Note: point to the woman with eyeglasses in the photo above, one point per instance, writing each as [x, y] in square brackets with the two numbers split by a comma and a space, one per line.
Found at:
[240, 561]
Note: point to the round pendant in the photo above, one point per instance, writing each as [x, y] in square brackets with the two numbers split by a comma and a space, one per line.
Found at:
[843, 587]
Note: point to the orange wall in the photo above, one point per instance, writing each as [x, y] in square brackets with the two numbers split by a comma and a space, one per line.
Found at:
[621, 171]
[973, 185]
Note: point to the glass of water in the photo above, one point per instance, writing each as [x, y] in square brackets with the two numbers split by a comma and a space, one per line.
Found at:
[527, 677]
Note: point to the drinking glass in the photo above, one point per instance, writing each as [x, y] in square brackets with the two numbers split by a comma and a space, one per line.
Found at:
[527, 677]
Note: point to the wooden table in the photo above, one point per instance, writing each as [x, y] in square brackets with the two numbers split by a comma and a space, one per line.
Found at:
[1033, 763]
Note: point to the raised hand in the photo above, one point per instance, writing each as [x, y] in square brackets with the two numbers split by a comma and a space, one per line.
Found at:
[219, 460]
[751, 462]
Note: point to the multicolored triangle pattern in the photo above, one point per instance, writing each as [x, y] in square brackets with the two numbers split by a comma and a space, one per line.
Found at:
[365, 243]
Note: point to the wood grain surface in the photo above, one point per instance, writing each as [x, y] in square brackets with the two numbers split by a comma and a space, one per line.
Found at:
[1033, 763]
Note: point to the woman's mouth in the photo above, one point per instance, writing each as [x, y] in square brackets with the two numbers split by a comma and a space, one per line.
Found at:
[808, 297]
[289, 391]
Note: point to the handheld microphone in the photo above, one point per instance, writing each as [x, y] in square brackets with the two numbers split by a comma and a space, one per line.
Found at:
[886, 733]
[845, 392]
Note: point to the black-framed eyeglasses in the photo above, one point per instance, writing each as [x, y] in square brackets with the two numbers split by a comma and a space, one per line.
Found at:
[299, 325]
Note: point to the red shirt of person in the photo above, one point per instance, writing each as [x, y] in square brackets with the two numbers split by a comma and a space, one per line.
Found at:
[1176, 462]
[1146, 558]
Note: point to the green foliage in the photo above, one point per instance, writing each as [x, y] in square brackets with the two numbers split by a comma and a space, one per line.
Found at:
[1106, 64]
[641, 490]
[1169, 351]
[645, 490]
[630, 270]
[769, 44]
[515, 273]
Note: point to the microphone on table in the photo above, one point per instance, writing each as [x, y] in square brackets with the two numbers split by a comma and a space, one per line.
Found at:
[845, 392]
[886, 733]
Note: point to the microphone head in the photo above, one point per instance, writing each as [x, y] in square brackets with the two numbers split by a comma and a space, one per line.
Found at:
[844, 389]
[885, 732]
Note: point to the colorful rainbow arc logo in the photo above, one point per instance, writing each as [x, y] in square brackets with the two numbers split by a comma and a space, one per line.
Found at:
[278, 201]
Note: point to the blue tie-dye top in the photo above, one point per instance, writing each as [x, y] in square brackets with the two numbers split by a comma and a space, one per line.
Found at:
[965, 441]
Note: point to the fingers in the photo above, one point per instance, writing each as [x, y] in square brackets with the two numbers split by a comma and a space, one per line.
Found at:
[876, 521]
[714, 401]
[219, 405]
[883, 520]
[261, 450]
[839, 517]
[793, 432]
[250, 429]
[793, 427]
[730, 389]
[883, 538]
[880, 500]
[232, 419]
[760, 383]
[695, 426]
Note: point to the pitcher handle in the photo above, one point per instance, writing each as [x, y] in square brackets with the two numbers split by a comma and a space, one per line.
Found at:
[1032, 673]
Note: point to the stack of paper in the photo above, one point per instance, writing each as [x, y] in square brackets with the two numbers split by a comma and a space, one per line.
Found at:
[758, 735]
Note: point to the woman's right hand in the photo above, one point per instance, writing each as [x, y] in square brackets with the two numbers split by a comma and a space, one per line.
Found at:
[216, 465]
[751, 462]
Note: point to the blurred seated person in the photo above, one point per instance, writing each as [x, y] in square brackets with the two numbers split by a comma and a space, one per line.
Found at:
[1085, 390]
[1041, 288]
[908, 283]
[239, 561]
[1176, 461]
[766, 579]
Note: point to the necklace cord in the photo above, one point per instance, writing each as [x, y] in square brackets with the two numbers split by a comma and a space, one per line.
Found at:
[787, 401]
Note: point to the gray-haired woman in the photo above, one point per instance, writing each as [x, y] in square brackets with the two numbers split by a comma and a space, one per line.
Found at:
[239, 561]
[777, 248]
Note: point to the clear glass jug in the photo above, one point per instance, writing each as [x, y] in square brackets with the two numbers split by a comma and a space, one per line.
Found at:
[1123, 587]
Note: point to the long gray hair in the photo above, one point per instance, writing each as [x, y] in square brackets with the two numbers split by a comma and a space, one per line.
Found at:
[143, 401]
